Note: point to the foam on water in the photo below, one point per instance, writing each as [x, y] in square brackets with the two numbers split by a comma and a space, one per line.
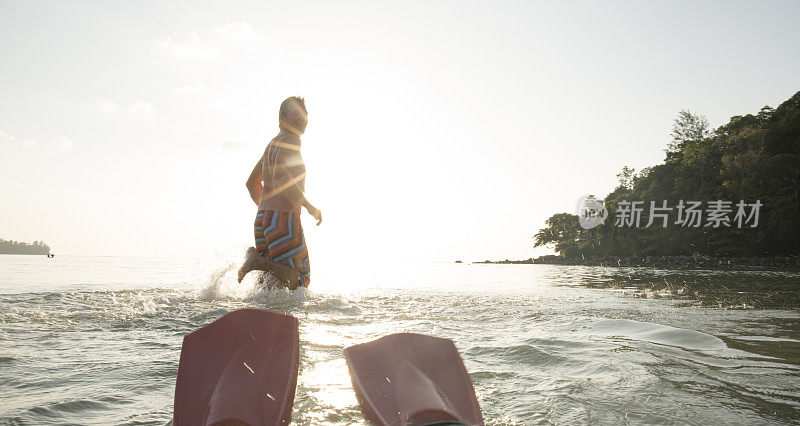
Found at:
[653, 333]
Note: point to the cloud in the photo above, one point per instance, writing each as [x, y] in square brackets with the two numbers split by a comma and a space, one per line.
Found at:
[106, 105]
[7, 140]
[242, 38]
[59, 145]
[235, 146]
[188, 90]
[188, 45]
[239, 32]
[227, 38]
[225, 106]
[141, 108]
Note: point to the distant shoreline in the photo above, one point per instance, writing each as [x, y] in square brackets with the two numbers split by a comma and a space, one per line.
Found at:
[19, 247]
[665, 262]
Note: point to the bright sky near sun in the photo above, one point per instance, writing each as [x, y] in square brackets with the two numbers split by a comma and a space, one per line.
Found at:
[438, 130]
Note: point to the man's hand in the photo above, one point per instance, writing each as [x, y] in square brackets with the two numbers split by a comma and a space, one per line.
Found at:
[315, 212]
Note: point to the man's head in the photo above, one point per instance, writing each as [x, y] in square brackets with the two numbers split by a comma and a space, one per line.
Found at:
[293, 115]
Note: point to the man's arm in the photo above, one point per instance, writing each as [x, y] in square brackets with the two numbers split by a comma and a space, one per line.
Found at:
[313, 211]
[254, 185]
[299, 196]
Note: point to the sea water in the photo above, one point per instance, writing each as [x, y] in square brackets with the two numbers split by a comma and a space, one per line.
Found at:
[96, 340]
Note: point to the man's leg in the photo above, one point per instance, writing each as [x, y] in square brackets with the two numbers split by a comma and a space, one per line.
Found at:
[273, 230]
[288, 247]
[255, 262]
[252, 255]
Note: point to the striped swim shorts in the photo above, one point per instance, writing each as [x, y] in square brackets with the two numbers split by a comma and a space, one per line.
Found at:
[279, 237]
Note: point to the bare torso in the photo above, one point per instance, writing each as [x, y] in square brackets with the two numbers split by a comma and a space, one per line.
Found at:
[282, 165]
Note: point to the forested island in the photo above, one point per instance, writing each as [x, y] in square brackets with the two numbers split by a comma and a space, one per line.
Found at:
[17, 247]
[722, 194]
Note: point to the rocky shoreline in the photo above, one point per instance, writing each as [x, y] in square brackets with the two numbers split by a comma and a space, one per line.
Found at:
[669, 262]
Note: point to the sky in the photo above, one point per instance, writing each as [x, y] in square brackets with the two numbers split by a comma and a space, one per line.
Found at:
[438, 130]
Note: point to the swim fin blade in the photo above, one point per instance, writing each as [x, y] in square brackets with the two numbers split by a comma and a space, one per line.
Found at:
[239, 370]
[412, 379]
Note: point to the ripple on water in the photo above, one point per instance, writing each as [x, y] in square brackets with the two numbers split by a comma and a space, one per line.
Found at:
[58, 409]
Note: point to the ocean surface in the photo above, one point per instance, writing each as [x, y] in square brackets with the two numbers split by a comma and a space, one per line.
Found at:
[96, 340]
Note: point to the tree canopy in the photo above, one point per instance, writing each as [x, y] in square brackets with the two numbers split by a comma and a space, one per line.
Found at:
[755, 157]
[18, 247]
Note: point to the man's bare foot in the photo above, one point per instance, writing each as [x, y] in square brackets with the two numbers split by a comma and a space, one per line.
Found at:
[281, 273]
[250, 260]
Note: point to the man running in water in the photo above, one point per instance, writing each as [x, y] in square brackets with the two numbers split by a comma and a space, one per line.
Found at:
[277, 185]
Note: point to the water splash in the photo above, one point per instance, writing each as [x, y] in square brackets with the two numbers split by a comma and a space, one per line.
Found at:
[211, 290]
[276, 295]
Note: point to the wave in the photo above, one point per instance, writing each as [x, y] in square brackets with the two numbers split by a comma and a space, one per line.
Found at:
[653, 333]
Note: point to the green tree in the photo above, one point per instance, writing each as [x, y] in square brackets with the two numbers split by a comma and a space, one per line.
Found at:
[752, 157]
[625, 177]
[563, 231]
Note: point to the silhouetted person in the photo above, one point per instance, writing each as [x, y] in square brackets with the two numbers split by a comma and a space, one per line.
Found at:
[276, 185]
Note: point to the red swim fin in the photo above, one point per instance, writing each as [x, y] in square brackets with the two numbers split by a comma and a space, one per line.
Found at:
[240, 369]
[412, 379]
